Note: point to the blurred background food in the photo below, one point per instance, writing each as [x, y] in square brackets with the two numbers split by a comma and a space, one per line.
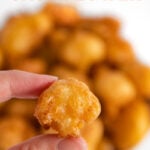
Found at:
[57, 40]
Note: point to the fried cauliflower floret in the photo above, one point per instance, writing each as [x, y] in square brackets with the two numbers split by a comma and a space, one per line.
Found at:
[13, 131]
[119, 52]
[19, 107]
[23, 33]
[64, 72]
[92, 133]
[64, 15]
[66, 106]
[114, 87]
[83, 50]
[105, 27]
[131, 125]
[140, 74]
[105, 144]
[35, 65]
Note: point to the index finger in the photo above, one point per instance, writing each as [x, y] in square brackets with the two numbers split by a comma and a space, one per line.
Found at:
[20, 84]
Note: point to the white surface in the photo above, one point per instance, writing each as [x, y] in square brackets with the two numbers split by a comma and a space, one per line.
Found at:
[134, 15]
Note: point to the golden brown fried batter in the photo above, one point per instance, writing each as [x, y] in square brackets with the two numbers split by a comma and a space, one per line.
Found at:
[64, 72]
[35, 65]
[92, 133]
[64, 15]
[24, 33]
[105, 144]
[14, 130]
[83, 50]
[19, 107]
[131, 125]
[140, 74]
[114, 87]
[105, 27]
[119, 52]
[66, 106]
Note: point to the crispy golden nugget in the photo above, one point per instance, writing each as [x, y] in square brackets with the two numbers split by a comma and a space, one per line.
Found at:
[19, 107]
[105, 27]
[58, 37]
[83, 50]
[1, 59]
[64, 15]
[114, 87]
[35, 65]
[24, 33]
[140, 74]
[13, 131]
[119, 52]
[64, 72]
[55, 41]
[105, 144]
[131, 125]
[92, 133]
[66, 106]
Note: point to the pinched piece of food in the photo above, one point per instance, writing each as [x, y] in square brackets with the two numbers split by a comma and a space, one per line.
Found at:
[66, 106]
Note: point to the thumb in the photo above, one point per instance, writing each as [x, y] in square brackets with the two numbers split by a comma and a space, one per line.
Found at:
[51, 142]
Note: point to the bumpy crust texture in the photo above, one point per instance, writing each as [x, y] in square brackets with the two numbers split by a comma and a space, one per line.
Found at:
[66, 106]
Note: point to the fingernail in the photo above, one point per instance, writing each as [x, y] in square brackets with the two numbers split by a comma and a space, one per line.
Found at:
[72, 144]
[51, 77]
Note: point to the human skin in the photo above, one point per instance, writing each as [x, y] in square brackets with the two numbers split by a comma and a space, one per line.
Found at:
[20, 84]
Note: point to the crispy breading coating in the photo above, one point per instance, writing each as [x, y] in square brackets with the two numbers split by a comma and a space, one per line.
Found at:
[66, 106]
[131, 125]
[14, 130]
[105, 144]
[119, 52]
[92, 133]
[64, 72]
[19, 107]
[23, 33]
[35, 65]
[114, 87]
[140, 74]
[83, 50]
[65, 15]
[105, 27]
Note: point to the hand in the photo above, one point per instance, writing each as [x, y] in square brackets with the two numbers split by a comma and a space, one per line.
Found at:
[19, 84]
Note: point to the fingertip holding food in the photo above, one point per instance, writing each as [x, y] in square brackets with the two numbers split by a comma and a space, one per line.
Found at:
[66, 106]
